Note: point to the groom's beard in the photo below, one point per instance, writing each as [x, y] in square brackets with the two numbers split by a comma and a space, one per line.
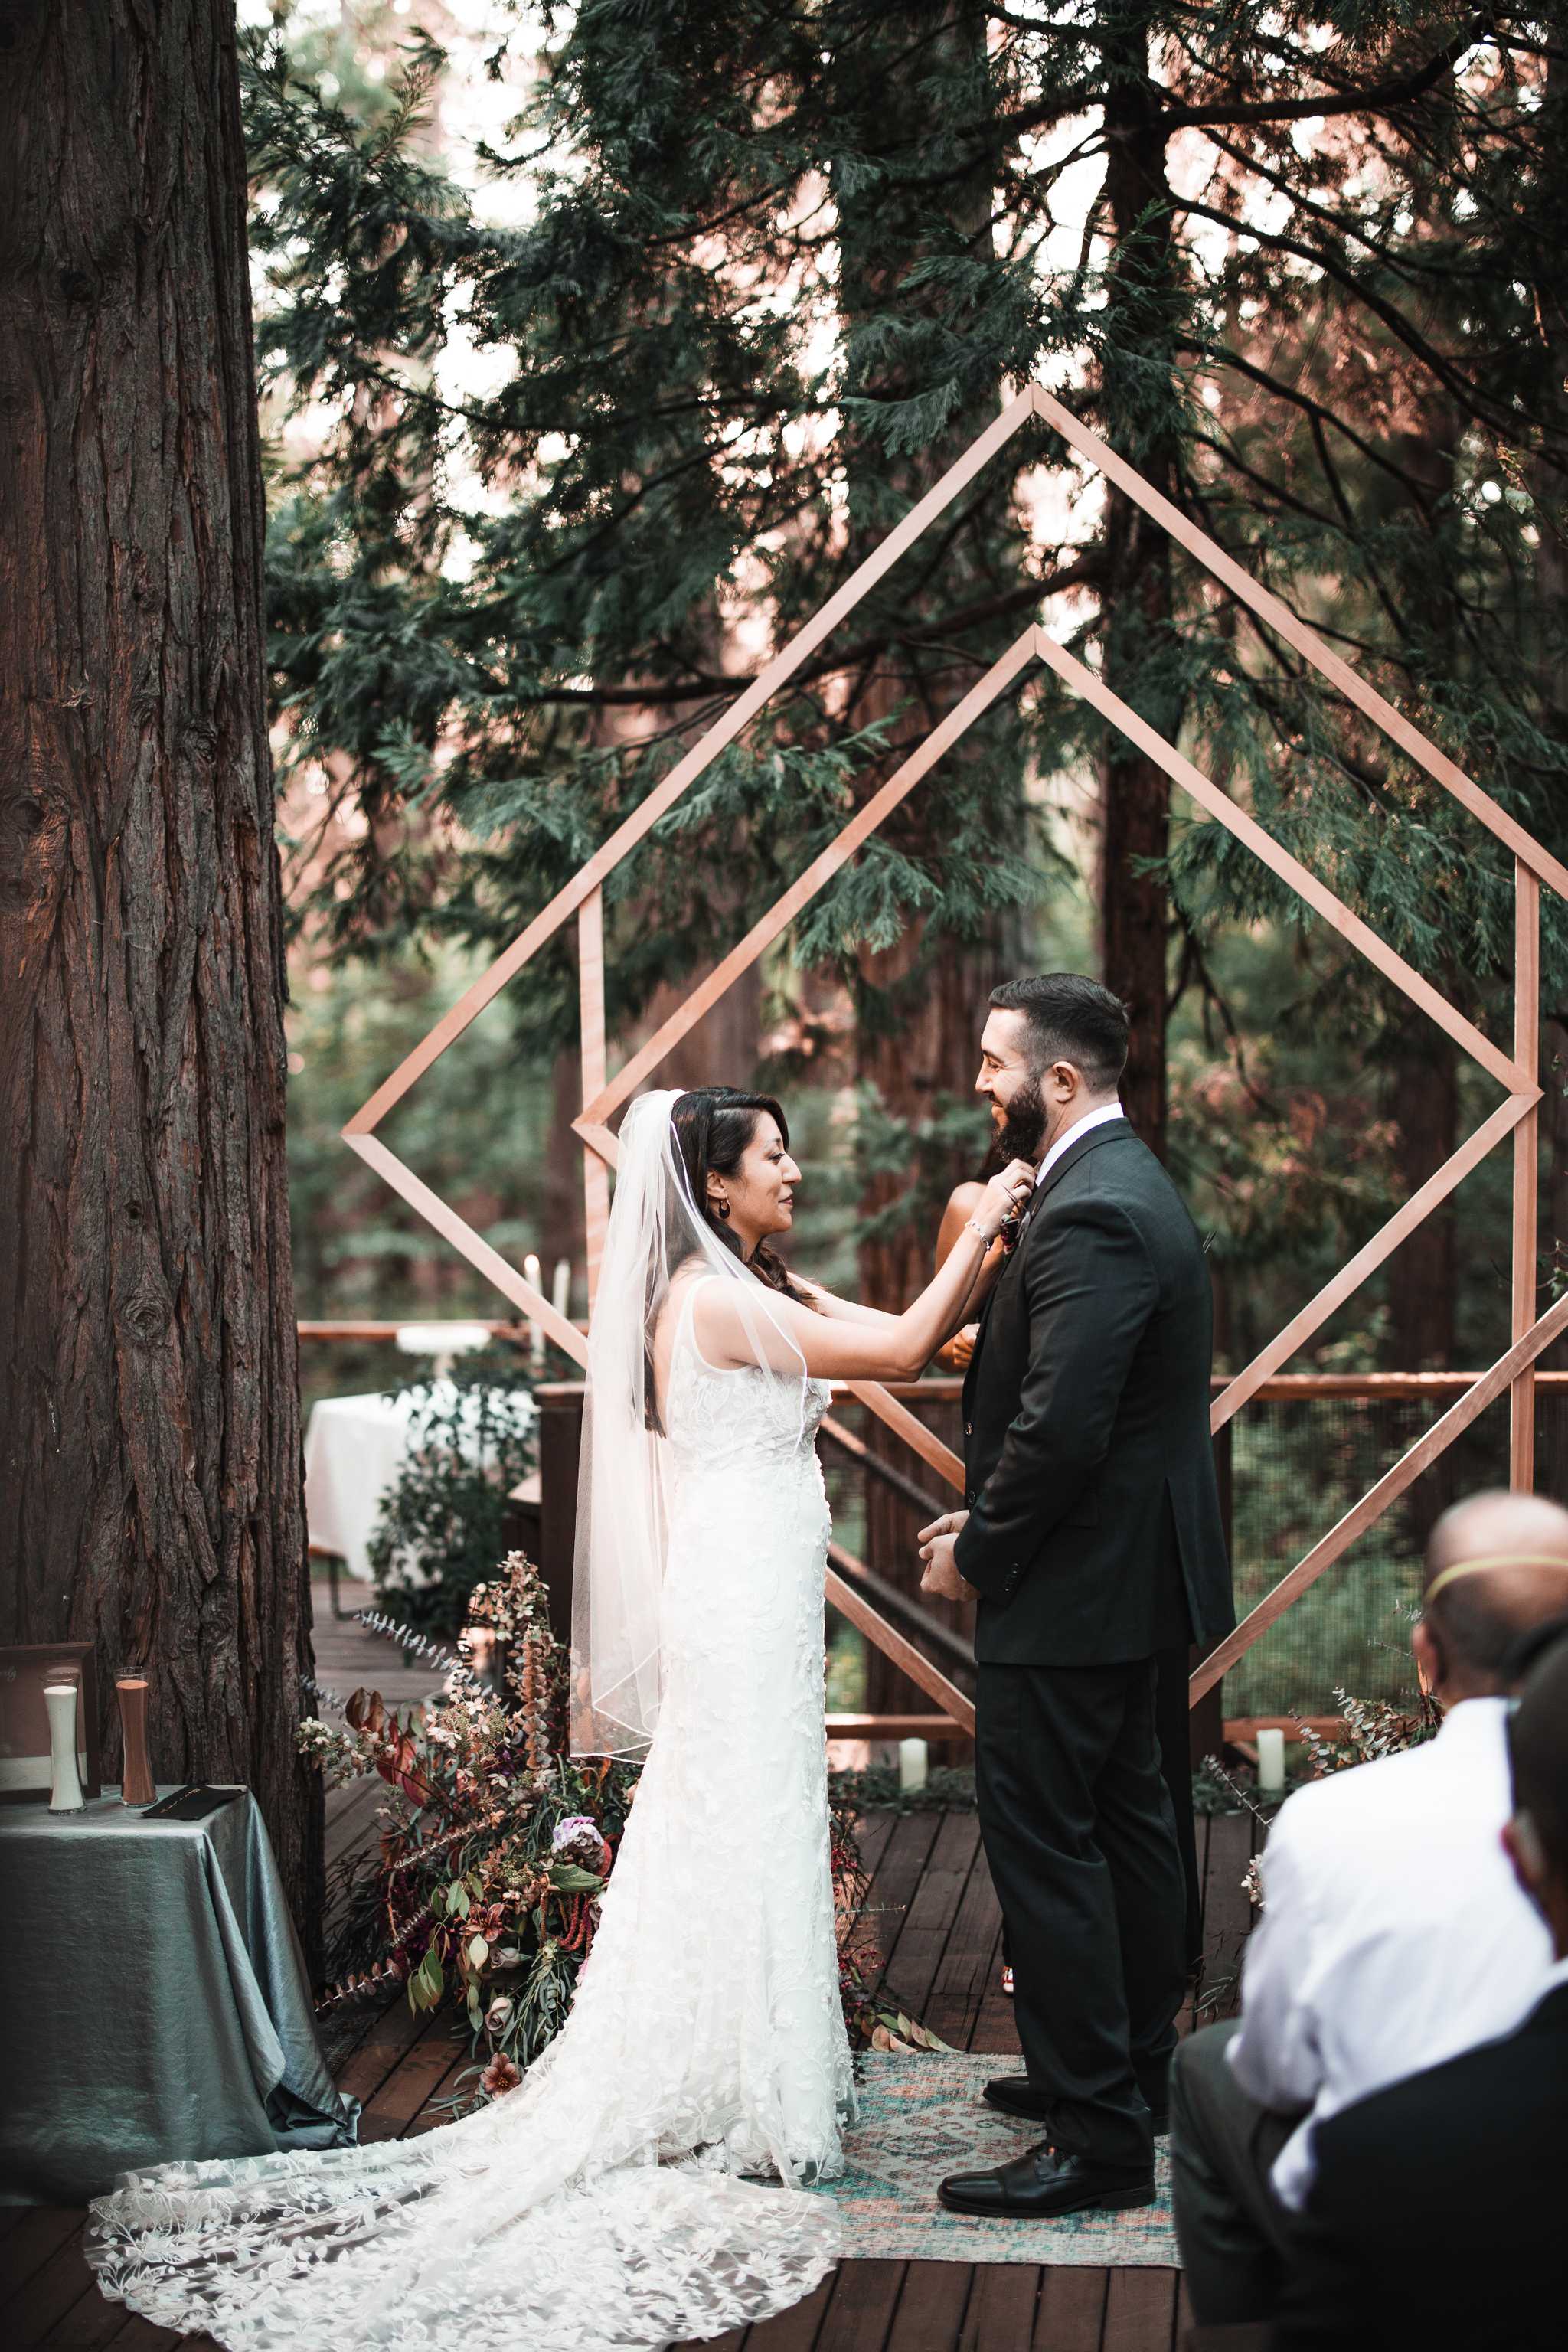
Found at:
[1022, 1129]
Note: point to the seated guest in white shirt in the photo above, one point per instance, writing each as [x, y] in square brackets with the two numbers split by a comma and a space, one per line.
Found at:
[1394, 1934]
[1437, 2212]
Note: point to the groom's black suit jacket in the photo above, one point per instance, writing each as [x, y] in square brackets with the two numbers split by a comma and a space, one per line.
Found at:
[1093, 1506]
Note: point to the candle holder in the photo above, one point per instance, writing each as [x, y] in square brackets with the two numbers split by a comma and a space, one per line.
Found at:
[65, 1781]
[136, 1783]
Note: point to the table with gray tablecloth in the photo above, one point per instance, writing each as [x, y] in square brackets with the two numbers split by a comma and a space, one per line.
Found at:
[153, 2000]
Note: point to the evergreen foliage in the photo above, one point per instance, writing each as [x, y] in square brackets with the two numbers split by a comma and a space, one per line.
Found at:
[442, 1525]
[781, 265]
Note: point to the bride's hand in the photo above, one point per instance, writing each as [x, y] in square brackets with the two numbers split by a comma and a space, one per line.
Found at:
[1003, 1195]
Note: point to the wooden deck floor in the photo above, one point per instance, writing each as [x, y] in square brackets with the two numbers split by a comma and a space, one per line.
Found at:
[935, 1919]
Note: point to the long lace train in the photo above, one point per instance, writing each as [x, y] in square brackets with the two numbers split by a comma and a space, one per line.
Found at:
[603, 2201]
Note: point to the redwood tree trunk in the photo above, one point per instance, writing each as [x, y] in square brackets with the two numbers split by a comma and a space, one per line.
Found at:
[922, 1001]
[152, 1443]
[1138, 596]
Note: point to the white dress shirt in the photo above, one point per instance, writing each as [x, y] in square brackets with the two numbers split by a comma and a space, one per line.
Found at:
[1394, 1933]
[1070, 1136]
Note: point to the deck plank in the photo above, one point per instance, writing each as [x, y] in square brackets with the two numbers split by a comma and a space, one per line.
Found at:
[995, 2028]
[795, 2330]
[351, 1815]
[1228, 1914]
[1070, 2313]
[39, 2234]
[970, 1961]
[90, 2324]
[896, 1882]
[394, 2104]
[932, 1909]
[139, 2335]
[1139, 2311]
[933, 1918]
[1001, 2307]
[859, 2315]
[42, 2302]
[931, 2308]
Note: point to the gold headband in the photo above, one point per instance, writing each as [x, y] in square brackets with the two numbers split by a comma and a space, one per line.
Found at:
[1491, 1559]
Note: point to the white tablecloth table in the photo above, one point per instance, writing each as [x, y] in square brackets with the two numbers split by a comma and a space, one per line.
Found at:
[355, 1447]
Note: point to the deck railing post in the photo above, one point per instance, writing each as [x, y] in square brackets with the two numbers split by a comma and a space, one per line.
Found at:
[590, 1008]
[1526, 1165]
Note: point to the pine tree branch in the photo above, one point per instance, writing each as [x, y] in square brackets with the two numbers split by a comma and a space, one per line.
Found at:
[656, 694]
[1435, 363]
[1220, 355]
[1336, 224]
[1276, 492]
[1385, 99]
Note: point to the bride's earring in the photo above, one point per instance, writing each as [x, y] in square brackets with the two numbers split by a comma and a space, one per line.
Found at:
[724, 1208]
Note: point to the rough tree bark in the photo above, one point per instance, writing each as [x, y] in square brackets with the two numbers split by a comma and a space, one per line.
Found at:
[923, 1000]
[152, 1443]
[1137, 594]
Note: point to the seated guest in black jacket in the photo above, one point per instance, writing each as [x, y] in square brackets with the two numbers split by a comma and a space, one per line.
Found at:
[1439, 2212]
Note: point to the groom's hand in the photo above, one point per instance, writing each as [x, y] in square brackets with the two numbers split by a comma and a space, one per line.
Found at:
[941, 1574]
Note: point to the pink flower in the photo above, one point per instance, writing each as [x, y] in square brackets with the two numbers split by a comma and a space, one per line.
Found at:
[500, 2076]
[574, 1826]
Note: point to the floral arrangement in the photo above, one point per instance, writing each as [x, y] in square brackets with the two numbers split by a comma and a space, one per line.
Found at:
[1373, 1728]
[472, 1438]
[496, 1845]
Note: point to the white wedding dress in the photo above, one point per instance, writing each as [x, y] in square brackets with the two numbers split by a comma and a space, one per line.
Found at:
[602, 2203]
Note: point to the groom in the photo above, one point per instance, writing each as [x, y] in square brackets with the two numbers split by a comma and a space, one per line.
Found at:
[1093, 1538]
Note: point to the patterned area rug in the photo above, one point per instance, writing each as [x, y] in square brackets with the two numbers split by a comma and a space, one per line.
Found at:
[922, 2116]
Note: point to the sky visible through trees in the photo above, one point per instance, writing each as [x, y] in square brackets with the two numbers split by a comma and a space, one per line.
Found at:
[602, 344]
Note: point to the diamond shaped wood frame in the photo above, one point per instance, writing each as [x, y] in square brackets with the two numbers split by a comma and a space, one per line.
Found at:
[1518, 1073]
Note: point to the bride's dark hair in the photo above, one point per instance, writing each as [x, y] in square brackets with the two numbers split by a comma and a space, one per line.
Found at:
[713, 1125]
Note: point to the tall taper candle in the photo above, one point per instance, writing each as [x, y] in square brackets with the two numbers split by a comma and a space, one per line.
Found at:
[136, 1782]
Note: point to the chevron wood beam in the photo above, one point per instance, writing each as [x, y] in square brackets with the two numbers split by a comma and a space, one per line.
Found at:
[1511, 1114]
[478, 1252]
[601, 1096]
[1306, 640]
[1019, 657]
[1526, 1164]
[646, 815]
[1373, 1504]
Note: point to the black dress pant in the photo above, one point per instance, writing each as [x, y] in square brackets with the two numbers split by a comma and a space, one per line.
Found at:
[1173, 1725]
[1080, 1840]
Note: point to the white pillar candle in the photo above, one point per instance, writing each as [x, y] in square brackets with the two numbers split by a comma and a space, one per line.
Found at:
[913, 1759]
[65, 1782]
[561, 1289]
[1271, 1761]
[534, 1272]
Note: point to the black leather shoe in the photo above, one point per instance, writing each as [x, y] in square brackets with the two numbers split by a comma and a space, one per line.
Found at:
[1016, 2095]
[1044, 2183]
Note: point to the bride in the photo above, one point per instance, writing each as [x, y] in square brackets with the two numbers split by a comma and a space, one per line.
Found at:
[613, 2198]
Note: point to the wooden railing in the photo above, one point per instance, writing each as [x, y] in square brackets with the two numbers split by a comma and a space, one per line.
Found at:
[897, 1620]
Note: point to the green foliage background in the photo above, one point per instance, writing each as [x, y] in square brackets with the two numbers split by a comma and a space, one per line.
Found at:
[740, 280]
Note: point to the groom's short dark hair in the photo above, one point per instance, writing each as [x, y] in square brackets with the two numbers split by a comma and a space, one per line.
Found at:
[1071, 1019]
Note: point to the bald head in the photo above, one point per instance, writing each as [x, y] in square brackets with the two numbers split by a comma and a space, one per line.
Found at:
[1497, 1569]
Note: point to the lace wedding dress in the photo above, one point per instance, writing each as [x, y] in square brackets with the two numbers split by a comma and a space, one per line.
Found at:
[602, 2202]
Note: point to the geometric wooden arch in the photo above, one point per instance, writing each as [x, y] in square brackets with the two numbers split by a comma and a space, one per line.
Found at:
[1518, 1072]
